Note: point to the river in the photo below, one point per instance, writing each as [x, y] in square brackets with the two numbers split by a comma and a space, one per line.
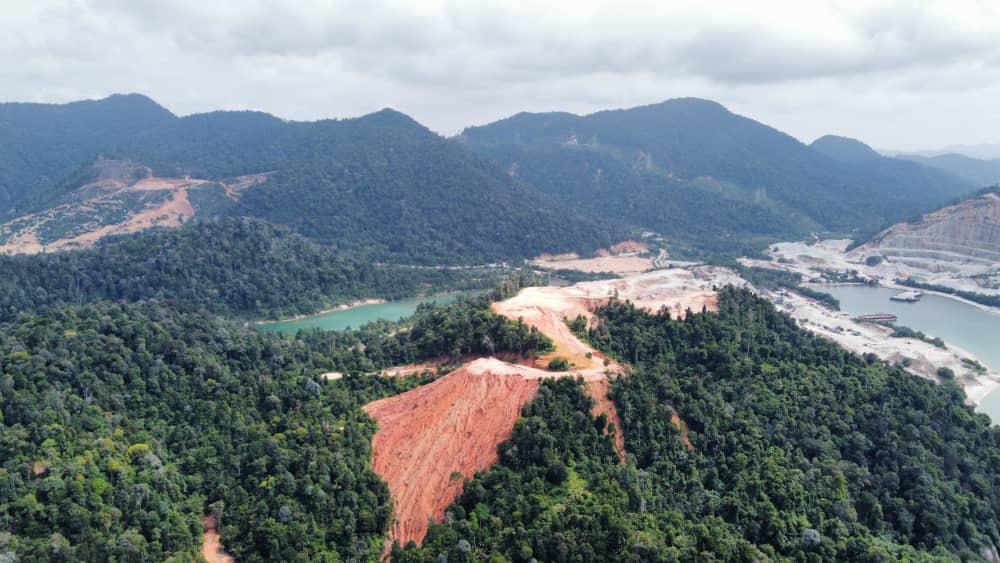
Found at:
[355, 317]
[968, 327]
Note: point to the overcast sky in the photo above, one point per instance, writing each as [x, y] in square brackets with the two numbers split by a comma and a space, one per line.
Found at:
[908, 74]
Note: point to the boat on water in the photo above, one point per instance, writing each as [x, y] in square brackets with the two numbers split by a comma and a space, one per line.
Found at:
[876, 318]
[910, 296]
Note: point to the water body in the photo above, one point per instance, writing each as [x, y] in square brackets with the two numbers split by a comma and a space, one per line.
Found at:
[355, 317]
[968, 327]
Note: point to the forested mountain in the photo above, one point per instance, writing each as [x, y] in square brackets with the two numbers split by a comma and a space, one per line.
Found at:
[981, 172]
[381, 185]
[798, 451]
[237, 267]
[384, 186]
[683, 162]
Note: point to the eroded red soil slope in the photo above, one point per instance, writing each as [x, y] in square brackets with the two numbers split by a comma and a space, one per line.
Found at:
[432, 437]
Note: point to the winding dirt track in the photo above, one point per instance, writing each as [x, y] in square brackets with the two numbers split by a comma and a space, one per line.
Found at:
[211, 543]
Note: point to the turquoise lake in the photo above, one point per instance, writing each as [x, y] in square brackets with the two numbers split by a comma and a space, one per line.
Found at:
[355, 317]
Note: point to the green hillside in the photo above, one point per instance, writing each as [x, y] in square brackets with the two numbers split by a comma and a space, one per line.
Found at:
[381, 185]
[123, 425]
[682, 160]
[242, 268]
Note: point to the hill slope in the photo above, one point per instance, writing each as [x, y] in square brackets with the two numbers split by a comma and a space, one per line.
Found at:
[380, 185]
[238, 267]
[42, 144]
[693, 161]
[968, 231]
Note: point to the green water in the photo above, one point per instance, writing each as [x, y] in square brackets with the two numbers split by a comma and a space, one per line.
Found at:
[968, 327]
[355, 317]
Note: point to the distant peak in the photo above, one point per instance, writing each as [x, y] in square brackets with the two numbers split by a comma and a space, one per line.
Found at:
[700, 103]
[391, 117]
[844, 149]
[131, 99]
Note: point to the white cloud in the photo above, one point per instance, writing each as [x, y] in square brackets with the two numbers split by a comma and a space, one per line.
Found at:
[892, 73]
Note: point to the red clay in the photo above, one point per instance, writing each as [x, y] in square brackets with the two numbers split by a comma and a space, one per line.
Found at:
[211, 543]
[598, 390]
[682, 427]
[432, 437]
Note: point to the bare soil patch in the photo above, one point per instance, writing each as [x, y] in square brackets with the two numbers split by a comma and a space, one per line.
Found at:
[682, 427]
[433, 437]
[145, 201]
[211, 543]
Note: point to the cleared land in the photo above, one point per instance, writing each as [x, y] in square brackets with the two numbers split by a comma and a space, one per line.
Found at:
[431, 438]
[211, 543]
[126, 198]
[819, 261]
[623, 258]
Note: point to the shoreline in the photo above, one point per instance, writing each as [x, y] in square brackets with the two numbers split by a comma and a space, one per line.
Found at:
[980, 306]
[885, 284]
[341, 307]
[364, 302]
[839, 327]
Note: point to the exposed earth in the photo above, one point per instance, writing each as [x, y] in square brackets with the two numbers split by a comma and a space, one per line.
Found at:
[939, 249]
[122, 197]
[433, 437]
[957, 246]
[623, 258]
[211, 543]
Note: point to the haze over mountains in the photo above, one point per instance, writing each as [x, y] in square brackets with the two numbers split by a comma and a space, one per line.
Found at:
[979, 171]
[383, 185]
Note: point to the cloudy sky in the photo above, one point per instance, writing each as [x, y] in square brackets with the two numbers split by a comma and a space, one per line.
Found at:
[908, 74]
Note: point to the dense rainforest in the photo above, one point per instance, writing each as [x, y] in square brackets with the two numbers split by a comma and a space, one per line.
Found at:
[799, 451]
[123, 424]
[667, 165]
[380, 186]
[235, 267]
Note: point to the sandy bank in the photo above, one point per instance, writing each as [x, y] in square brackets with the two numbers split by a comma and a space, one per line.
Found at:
[923, 358]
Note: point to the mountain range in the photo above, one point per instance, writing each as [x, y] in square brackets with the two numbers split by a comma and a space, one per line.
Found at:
[384, 186]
